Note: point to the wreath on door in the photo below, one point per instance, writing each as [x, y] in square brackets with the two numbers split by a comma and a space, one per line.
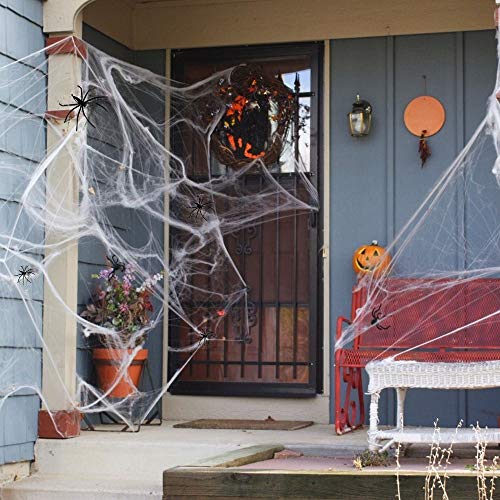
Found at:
[258, 110]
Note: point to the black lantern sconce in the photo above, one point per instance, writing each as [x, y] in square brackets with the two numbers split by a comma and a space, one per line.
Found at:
[360, 118]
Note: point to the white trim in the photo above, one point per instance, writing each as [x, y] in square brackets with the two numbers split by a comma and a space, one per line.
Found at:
[195, 407]
[166, 230]
[325, 200]
[61, 16]
[316, 408]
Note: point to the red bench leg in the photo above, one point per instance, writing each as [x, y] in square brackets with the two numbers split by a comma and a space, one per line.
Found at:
[351, 414]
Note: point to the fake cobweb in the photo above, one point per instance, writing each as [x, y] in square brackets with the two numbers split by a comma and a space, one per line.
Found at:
[112, 194]
[439, 298]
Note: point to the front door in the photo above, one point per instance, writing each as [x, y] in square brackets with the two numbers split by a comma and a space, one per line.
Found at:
[276, 349]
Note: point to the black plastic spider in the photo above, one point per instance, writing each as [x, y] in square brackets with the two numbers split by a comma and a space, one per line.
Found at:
[25, 272]
[116, 264]
[199, 208]
[206, 335]
[377, 315]
[81, 103]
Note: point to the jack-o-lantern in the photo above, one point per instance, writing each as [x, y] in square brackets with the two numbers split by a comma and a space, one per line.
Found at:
[370, 259]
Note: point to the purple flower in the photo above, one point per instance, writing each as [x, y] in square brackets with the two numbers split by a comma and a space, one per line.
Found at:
[123, 308]
[105, 273]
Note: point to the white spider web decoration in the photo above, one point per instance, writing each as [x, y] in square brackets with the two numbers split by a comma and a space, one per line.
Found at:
[125, 169]
[441, 291]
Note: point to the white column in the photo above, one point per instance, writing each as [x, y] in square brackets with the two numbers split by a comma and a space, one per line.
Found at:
[62, 198]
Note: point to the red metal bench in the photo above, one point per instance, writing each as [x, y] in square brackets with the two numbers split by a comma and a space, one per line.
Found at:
[415, 312]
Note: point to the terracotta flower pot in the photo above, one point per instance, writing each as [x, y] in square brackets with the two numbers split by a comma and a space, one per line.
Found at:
[108, 362]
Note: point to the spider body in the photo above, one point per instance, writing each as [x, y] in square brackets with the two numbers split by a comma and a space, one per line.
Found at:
[25, 272]
[199, 208]
[377, 315]
[115, 264]
[81, 103]
[206, 335]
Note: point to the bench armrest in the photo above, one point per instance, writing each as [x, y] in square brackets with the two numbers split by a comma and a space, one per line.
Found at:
[340, 320]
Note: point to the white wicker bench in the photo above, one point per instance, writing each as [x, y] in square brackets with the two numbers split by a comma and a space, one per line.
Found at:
[404, 375]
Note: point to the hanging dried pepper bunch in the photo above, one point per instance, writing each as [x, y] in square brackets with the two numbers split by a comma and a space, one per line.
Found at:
[258, 111]
[423, 148]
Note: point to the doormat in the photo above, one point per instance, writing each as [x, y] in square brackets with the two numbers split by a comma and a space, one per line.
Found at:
[268, 424]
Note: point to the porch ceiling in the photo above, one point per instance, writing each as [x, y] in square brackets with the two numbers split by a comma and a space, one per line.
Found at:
[155, 24]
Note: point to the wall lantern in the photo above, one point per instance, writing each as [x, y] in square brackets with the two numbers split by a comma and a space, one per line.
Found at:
[360, 118]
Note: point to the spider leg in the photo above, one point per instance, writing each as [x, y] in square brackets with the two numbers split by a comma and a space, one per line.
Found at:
[380, 327]
[68, 116]
[84, 98]
[96, 97]
[88, 119]
[376, 310]
[72, 104]
[204, 217]
[27, 279]
[100, 105]
[81, 92]
[78, 117]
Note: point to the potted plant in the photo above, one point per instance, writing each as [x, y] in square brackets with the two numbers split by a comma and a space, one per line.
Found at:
[121, 307]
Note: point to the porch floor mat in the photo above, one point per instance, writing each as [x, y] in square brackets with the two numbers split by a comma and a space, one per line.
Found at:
[267, 424]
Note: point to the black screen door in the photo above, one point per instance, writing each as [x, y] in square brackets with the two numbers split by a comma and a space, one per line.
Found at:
[278, 258]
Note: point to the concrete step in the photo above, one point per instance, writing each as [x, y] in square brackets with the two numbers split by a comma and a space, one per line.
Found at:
[57, 487]
[124, 465]
[128, 455]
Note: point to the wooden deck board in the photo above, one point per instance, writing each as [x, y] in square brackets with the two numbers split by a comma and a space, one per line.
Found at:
[253, 477]
[202, 482]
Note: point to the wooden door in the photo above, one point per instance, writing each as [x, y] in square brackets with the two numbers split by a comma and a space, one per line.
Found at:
[279, 354]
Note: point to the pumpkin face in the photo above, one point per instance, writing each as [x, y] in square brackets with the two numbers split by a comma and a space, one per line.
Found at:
[370, 259]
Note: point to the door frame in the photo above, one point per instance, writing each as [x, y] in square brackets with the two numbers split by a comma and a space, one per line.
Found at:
[197, 406]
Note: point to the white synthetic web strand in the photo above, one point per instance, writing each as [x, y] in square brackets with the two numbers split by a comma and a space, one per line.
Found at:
[131, 185]
[442, 288]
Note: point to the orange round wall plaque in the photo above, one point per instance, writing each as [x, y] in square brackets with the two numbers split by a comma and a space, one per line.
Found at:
[424, 115]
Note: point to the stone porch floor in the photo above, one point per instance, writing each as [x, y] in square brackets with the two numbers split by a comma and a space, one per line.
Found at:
[124, 465]
[115, 465]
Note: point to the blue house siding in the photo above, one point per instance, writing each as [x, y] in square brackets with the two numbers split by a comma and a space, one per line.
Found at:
[125, 221]
[23, 146]
[377, 182]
